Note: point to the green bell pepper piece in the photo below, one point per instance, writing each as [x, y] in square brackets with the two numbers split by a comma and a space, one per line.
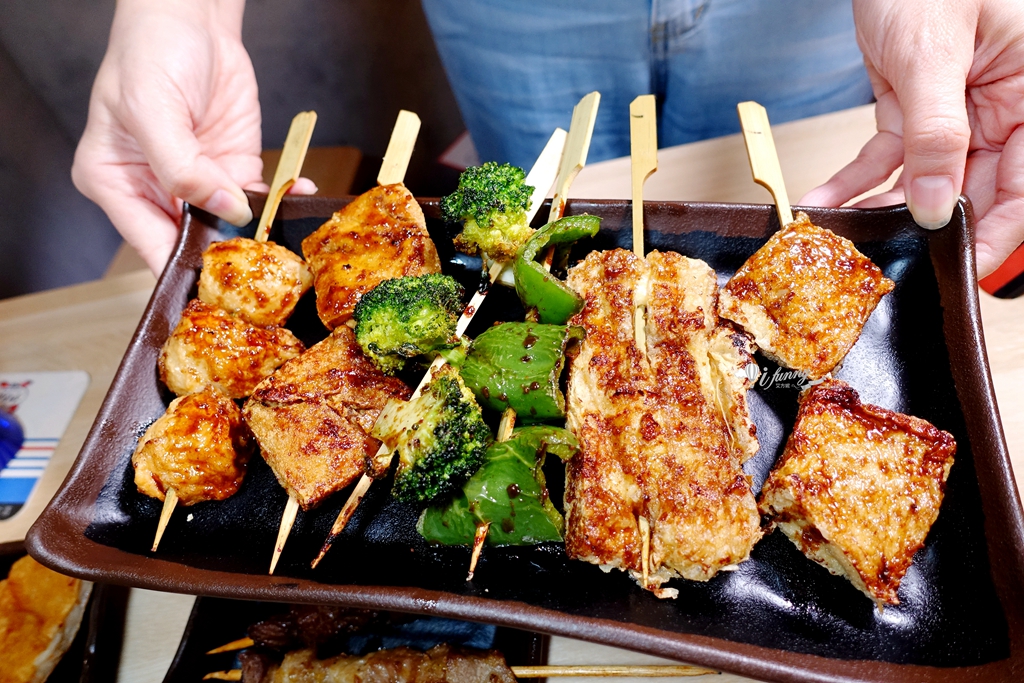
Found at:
[539, 289]
[517, 365]
[509, 492]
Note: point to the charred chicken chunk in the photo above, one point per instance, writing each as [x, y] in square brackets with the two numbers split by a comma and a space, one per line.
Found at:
[656, 453]
[211, 346]
[379, 236]
[858, 487]
[805, 296]
[313, 417]
[259, 281]
[199, 448]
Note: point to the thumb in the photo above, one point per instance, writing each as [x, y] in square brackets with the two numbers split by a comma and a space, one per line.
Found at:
[930, 83]
[178, 162]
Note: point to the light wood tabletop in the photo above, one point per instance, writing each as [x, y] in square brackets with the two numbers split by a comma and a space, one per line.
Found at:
[88, 327]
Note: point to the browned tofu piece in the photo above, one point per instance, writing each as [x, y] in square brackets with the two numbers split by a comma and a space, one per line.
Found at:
[656, 453]
[211, 346]
[805, 296]
[40, 612]
[379, 236]
[259, 281]
[200, 448]
[313, 417]
[858, 487]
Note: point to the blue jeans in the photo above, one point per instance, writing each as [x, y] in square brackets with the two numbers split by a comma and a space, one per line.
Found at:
[517, 67]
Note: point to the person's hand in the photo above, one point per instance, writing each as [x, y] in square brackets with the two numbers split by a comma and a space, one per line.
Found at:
[174, 115]
[949, 79]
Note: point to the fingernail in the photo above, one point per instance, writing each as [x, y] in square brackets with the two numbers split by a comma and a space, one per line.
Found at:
[931, 200]
[233, 209]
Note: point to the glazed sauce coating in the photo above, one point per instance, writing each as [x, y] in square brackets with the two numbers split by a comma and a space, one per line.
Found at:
[199, 447]
[380, 235]
[805, 296]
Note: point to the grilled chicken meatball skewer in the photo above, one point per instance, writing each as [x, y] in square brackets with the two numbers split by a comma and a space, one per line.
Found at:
[542, 175]
[226, 342]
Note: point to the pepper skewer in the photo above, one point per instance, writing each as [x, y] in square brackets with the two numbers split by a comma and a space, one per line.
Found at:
[574, 158]
[392, 170]
[542, 175]
[287, 172]
[643, 152]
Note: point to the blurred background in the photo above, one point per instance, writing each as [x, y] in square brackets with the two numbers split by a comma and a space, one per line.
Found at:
[356, 62]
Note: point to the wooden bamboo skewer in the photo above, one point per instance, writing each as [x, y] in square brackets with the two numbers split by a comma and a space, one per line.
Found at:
[392, 170]
[643, 152]
[551, 671]
[764, 160]
[574, 158]
[540, 177]
[288, 169]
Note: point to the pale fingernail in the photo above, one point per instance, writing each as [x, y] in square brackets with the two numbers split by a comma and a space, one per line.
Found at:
[233, 209]
[931, 200]
[816, 197]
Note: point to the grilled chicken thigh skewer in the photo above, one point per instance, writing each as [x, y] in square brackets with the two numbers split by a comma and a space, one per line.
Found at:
[540, 176]
[380, 235]
[226, 342]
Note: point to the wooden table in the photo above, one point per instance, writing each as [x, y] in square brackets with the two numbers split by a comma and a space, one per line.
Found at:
[88, 327]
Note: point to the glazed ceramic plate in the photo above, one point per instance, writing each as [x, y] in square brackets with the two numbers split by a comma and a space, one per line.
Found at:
[216, 621]
[779, 617]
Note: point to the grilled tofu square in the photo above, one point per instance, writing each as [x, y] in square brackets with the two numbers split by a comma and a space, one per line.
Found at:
[199, 448]
[259, 281]
[858, 487]
[805, 296]
[211, 346]
[313, 417]
[381, 235]
[656, 451]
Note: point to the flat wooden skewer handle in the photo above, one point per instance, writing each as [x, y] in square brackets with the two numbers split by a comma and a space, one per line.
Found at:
[643, 155]
[764, 160]
[396, 158]
[574, 158]
[288, 168]
[170, 501]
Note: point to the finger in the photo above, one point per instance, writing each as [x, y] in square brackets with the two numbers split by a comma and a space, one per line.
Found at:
[882, 155]
[980, 180]
[1001, 229]
[144, 224]
[928, 72]
[303, 186]
[165, 135]
[890, 198]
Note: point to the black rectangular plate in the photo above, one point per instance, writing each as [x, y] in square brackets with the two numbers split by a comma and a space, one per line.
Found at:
[779, 617]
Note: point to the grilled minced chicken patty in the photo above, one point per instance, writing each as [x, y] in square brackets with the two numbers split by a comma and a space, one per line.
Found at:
[858, 487]
[657, 444]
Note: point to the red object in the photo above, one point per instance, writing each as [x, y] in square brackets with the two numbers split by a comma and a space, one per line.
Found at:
[1008, 279]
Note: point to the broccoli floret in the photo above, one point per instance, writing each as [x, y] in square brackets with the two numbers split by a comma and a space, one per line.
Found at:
[440, 437]
[491, 202]
[408, 316]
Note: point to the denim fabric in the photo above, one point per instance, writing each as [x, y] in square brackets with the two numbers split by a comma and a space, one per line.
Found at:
[518, 66]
